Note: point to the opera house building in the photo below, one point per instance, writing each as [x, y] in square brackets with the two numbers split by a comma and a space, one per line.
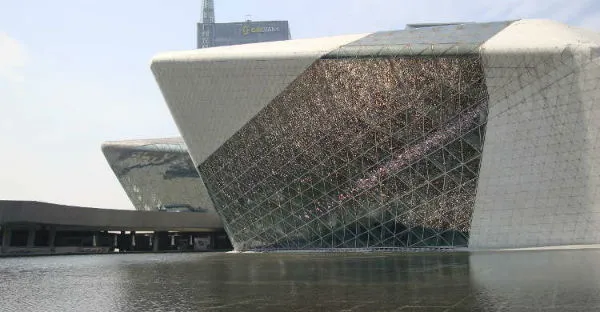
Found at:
[479, 135]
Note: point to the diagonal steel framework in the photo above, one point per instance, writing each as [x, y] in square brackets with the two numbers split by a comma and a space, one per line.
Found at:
[357, 153]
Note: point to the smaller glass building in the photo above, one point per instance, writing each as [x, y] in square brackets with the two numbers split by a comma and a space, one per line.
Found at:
[158, 174]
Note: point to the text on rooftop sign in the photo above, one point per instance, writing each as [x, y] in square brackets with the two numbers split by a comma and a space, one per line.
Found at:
[247, 29]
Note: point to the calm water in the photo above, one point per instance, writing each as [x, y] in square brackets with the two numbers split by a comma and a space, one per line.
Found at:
[515, 281]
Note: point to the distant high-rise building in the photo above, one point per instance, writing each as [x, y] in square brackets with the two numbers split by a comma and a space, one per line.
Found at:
[244, 32]
[211, 34]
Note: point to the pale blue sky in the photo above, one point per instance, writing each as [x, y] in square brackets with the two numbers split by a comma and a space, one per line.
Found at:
[75, 73]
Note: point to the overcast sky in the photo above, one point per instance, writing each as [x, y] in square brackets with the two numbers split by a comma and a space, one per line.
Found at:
[75, 73]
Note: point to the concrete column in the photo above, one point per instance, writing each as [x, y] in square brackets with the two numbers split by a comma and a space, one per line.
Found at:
[115, 241]
[51, 237]
[191, 239]
[121, 241]
[6, 237]
[31, 236]
[95, 239]
[172, 239]
[155, 241]
[132, 239]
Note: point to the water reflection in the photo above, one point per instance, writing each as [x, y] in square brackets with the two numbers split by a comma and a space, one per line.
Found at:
[566, 280]
[559, 280]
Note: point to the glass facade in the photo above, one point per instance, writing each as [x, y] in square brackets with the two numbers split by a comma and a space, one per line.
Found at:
[357, 153]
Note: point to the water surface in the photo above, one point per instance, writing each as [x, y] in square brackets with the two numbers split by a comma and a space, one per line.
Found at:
[566, 280]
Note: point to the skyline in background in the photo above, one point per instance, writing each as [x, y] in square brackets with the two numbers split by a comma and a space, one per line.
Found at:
[76, 74]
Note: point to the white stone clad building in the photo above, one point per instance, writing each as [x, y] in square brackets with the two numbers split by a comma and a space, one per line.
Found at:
[481, 134]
